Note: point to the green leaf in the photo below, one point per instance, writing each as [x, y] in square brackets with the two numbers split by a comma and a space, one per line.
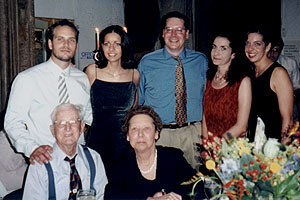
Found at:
[289, 184]
[265, 186]
[293, 193]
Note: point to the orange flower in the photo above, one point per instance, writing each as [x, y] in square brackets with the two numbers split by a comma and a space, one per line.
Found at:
[275, 167]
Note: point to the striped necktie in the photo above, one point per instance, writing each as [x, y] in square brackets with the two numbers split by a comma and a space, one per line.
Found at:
[180, 94]
[75, 182]
[62, 89]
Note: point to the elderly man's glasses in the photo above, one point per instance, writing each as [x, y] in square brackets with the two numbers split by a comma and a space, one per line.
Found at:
[63, 124]
[177, 30]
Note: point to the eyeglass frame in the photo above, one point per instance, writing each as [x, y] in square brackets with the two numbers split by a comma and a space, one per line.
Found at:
[63, 124]
[178, 30]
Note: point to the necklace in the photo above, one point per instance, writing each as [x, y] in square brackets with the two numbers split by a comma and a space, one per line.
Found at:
[219, 80]
[262, 70]
[219, 76]
[152, 166]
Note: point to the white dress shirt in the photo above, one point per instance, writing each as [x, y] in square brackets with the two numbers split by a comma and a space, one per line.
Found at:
[36, 185]
[292, 68]
[33, 96]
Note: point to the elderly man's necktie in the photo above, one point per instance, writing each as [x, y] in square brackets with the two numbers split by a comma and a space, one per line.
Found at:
[180, 94]
[75, 182]
[62, 89]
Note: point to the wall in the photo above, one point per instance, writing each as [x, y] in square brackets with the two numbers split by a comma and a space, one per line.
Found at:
[290, 30]
[87, 15]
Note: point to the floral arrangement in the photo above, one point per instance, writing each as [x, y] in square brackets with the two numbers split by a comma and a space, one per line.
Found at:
[244, 170]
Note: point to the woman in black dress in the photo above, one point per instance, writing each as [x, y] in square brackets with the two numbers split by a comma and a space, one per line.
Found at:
[114, 83]
[272, 90]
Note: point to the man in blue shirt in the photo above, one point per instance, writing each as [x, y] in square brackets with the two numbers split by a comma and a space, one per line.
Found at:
[157, 86]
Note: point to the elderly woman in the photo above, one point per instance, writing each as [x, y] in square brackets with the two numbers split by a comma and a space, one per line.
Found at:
[150, 172]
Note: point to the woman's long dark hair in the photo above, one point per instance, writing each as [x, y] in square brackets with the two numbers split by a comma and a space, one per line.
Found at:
[238, 68]
[127, 60]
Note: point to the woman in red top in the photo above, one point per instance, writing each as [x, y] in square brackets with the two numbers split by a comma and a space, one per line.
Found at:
[227, 96]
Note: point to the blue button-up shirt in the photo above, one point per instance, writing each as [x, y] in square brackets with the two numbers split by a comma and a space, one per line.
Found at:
[157, 83]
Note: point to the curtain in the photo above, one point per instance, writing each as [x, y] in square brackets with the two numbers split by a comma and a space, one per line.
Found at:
[16, 42]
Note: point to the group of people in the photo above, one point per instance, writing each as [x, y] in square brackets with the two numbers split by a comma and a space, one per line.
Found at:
[235, 96]
[143, 125]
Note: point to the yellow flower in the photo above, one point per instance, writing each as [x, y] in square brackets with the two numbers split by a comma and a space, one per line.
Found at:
[298, 153]
[210, 164]
[275, 167]
[244, 150]
[240, 144]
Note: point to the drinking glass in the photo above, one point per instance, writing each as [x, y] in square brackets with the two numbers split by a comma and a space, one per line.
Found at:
[86, 195]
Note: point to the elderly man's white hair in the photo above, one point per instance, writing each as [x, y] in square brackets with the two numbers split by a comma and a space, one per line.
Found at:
[62, 106]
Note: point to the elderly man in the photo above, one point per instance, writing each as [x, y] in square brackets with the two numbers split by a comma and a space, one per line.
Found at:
[36, 91]
[172, 83]
[67, 126]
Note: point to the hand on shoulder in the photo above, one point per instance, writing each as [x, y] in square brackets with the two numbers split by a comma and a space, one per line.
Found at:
[41, 154]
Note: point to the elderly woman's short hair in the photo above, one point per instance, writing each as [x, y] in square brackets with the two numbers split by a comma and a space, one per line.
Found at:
[146, 110]
[63, 106]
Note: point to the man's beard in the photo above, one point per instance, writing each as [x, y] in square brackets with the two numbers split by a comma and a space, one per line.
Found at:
[62, 59]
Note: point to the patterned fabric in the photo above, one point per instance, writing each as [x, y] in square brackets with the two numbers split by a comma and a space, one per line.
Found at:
[62, 89]
[180, 93]
[75, 181]
[220, 107]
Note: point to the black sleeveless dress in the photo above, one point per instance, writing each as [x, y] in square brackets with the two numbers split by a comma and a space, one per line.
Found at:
[265, 105]
[110, 101]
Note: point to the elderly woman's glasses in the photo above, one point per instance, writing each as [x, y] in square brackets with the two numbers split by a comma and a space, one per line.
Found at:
[63, 124]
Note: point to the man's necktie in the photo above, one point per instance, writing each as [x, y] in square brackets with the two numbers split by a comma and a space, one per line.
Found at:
[180, 94]
[62, 89]
[75, 182]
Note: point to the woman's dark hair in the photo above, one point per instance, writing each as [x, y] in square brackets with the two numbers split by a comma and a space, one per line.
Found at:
[127, 61]
[264, 31]
[146, 110]
[64, 22]
[238, 68]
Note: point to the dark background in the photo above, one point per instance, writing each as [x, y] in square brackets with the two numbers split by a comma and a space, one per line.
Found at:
[142, 17]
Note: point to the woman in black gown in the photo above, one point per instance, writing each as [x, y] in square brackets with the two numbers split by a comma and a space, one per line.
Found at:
[114, 85]
[272, 98]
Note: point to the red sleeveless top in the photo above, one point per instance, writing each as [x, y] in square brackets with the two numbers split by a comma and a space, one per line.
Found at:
[220, 107]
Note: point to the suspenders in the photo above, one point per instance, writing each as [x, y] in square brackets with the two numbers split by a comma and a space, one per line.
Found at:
[51, 181]
[52, 194]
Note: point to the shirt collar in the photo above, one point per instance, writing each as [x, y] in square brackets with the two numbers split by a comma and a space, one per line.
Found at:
[60, 154]
[57, 70]
[167, 55]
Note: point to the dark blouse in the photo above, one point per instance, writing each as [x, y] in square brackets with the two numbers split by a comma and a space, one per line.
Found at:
[128, 183]
[265, 105]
